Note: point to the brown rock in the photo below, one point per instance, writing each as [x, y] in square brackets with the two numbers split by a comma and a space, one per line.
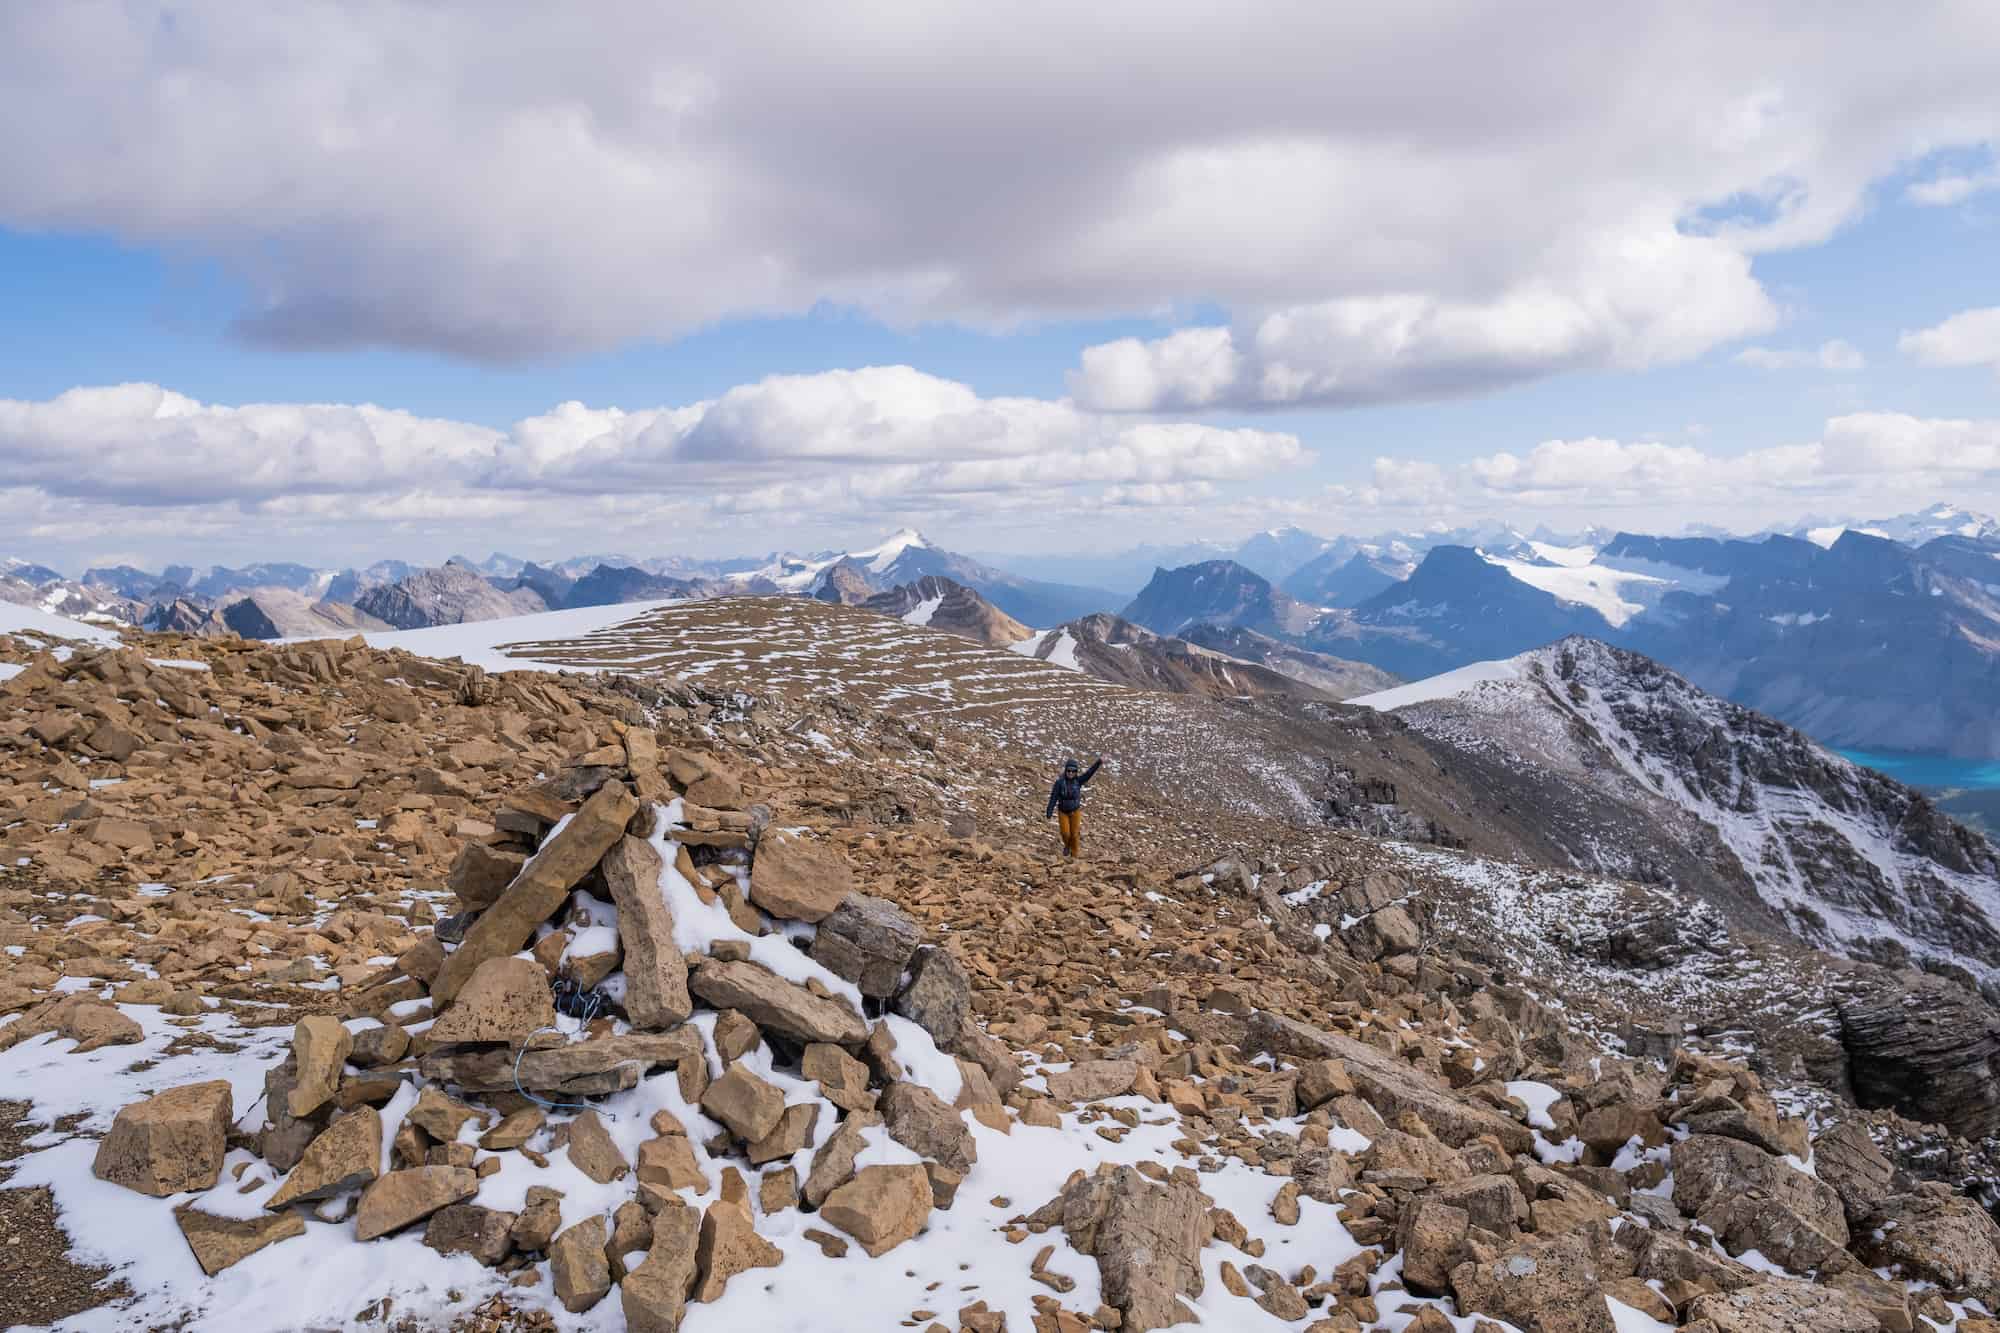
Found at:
[319, 1046]
[776, 1005]
[576, 1258]
[1432, 1237]
[592, 1151]
[1549, 1285]
[1147, 1239]
[749, 1106]
[219, 1242]
[778, 1190]
[347, 1155]
[516, 1129]
[939, 996]
[94, 1026]
[729, 1245]
[1320, 1081]
[669, 1161]
[377, 1046]
[881, 1206]
[868, 941]
[541, 887]
[1846, 1158]
[1936, 1236]
[400, 1198]
[1782, 1308]
[842, 1079]
[466, 1228]
[793, 1134]
[655, 1293]
[440, 1116]
[541, 1215]
[170, 1142]
[919, 1120]
[796, 877]
[1754, 1201]
[656, 980]
[833, 1163]
[504, 1000]
[482, 873]
[735, 1036]
[1093, 1080]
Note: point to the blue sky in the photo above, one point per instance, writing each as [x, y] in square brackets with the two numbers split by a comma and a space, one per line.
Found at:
[1152, 319]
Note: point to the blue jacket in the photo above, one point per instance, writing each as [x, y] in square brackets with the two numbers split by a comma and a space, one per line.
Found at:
[1067, 794]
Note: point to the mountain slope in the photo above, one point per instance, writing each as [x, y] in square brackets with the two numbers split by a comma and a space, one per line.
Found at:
[1123, 653]
[941, 604]
[1848, 859]
[608, 585]
[449, 595]
[1218, 592]
[1334, 676]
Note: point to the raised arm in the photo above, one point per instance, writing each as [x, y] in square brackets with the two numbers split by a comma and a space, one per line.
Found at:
[1088, 773]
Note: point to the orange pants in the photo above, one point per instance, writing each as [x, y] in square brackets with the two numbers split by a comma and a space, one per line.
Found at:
[1070, 824]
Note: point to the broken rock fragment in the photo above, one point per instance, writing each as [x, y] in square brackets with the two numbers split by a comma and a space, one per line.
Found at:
[868, 941]
[881, 1206]
[169, 1142]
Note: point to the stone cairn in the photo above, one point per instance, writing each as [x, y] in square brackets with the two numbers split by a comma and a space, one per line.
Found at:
[469, 1032]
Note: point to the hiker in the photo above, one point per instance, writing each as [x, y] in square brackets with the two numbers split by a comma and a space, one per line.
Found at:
[1066, 803]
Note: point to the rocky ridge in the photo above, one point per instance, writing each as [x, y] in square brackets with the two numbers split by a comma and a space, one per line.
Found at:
[1296, 1094]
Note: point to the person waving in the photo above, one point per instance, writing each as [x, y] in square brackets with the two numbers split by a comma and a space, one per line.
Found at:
[1066, 803]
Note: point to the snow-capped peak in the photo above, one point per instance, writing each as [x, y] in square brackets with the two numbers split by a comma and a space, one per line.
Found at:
[891, 549]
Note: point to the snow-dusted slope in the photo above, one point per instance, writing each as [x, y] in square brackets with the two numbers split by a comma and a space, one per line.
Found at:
[32, 621]
[1849, 858]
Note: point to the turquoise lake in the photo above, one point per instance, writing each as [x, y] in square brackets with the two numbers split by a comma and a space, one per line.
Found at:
[1930, 770]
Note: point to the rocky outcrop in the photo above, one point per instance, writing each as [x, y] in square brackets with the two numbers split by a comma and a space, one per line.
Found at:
[168, 1143]
[1147, 1239]
[1925, 1046]
[1753, 1200]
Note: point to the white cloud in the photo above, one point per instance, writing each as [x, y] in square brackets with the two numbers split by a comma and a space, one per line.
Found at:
[1385, 204]
[1968, 338]
[795, 450]
[1952, 188]
[1833, 354]
[1860, 459]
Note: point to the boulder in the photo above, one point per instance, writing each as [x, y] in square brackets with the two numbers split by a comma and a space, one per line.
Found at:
[1320, 1081]
[656, 980]
[320, 1044]
[504, 1000]
[541, 1216]
[377, 1046]
[346, 1156]
[399, 1198]
[591, 1067]
[729, 1244]
[792, 1134]
[881, 1206]
[1432, 1237]
[919, 1120]
[939, 996]
[748, 1105]
[467, 1228]
[1147, 1239]
[582, 1273]
[94, 1026]
[797, 877]
[1933, 1235]
[1782, 1307]
[1551, 1285]
[842, 1079]
[441, 1116]
[777, 1005]
[1754, 1201]
[481, 873]
[1846, 1158]
[1387, 1084]
[218, 1242]
[868, 941]
[655, 1294]
[170, 1142]
[1384, 934]
[1926, 1046]
[593, 1152]
[1093, 1080]
[833, 1162]
[538, 891]
[669, 1162]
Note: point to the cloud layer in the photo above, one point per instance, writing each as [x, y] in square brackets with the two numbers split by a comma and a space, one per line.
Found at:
[788, 452]
[1969, 338]
[1387, 202]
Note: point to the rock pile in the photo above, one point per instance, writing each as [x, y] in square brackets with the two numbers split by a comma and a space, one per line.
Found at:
[799, 1018]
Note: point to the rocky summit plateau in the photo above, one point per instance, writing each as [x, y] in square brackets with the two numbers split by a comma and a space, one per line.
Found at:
[712, 966]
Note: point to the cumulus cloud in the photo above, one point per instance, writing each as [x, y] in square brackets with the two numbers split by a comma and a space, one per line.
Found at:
[847, 444]
[1833, 354]
[1861, 458]
[1385, 202]
[1968, 338]
[1950, 188]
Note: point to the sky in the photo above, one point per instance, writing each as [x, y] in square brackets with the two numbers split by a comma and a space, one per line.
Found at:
[336, 282]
